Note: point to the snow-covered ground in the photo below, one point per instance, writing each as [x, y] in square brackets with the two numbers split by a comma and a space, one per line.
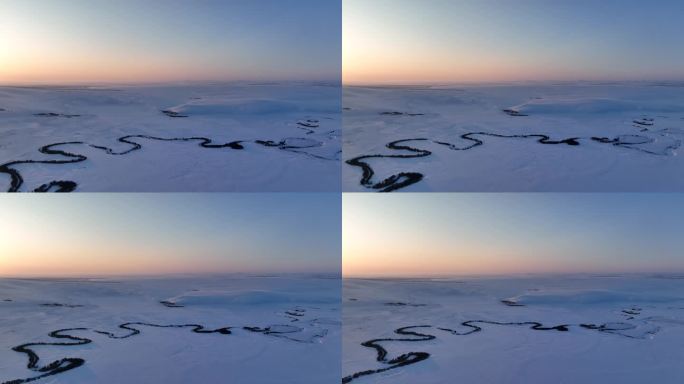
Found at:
[229, 329]
[239, 137]
[524, 137]
[555, 329]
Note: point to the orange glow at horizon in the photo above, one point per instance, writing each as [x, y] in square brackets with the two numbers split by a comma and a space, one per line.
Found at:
[128, 41]
[462, 234]
[377, 261]
[66, 263]
[380, 53]
[159, 234]
[379, 241]
[65, 252]
[38, 56]
[406, 42]
[374, 57]
[59, 62]
[21, 256]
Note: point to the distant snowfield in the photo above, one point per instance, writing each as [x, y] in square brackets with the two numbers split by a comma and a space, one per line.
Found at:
[230, 137]
[580, 329]
[210, 330]
[568, 137]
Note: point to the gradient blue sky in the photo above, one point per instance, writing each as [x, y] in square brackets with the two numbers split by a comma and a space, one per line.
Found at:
[115, 234]
[491, 234]
[406, 41]
[169, 40]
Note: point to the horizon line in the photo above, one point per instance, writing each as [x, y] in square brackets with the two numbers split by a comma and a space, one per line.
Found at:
[515, 274]
[169, 274]
[167, 82]
[499, 82]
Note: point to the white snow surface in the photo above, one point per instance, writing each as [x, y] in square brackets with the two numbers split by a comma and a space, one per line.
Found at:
[647, 119]
[308, 160]
[302, 311]
[643, 319]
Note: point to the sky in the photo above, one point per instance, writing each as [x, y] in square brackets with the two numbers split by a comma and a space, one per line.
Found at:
[433, 41]
[157, 234]
[458, 234]
[130, 41]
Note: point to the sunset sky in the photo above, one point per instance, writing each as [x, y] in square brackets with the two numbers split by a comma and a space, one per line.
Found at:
[423, 41]
[410, 235]
[81, 41]
[122, 234]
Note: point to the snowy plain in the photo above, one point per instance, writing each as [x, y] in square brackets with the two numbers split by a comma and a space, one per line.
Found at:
[165, 138]
[516, 137]
[227, 329]
[533, 329]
